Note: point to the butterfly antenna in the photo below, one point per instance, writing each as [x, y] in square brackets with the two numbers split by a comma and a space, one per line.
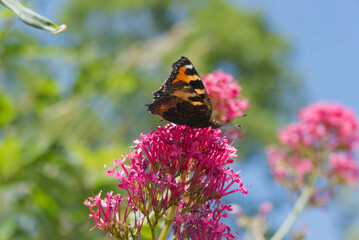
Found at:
[244, 115]
[234, 125]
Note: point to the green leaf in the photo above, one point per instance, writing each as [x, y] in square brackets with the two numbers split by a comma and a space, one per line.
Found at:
[32, 18]
[7, 110]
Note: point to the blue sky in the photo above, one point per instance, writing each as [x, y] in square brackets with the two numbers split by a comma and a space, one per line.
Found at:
[325, 41]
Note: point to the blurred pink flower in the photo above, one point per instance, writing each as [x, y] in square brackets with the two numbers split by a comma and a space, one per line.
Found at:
[344, 168]
[321, 142]
[276, 159]
[296, 135]
[177, 166]
[265, 208]
[225, 95]
[332, 123]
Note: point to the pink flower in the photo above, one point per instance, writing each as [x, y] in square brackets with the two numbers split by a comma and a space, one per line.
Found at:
[159, 158]
[108, 217]
[277, 161]
[288, 166]
[203, 222]
[225, 95]
[296, 135]
[326, 132]
[343, 168]
[331, 120]
[178, 166]
[265, 208]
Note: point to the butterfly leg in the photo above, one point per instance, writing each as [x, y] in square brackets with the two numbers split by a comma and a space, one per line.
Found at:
[203, 133]
[183, 133]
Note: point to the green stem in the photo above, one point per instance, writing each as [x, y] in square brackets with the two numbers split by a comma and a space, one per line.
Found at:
[153, 229]
[297, 209]
[168, 223]
[153, 233]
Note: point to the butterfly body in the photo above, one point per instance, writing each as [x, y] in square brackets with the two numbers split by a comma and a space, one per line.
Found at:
[183, 99]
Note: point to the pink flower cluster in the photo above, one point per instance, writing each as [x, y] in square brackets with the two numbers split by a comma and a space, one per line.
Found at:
[343, 168]
[173, 166]
[329, 124]
[322, 142]
[225, 95]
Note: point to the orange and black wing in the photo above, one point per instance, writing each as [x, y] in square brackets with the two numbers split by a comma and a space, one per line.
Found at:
[183, 99]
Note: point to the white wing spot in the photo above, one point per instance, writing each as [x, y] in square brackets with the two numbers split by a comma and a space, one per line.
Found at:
[189, 66]
[197, 103]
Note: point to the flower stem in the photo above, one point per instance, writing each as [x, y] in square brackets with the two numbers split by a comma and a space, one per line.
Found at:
[168, 223]
[297, 209]
[153, 234]
[153, 229]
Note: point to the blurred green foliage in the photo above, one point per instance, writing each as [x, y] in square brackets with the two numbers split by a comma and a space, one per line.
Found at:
[71, 103]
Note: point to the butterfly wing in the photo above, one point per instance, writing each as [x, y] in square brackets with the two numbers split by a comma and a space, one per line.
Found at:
[184, 71]
[183, 99]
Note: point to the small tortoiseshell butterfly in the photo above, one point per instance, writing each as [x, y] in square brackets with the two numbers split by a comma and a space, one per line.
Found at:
[183, 99]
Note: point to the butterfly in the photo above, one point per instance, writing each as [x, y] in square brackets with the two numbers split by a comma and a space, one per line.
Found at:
[183, 99]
